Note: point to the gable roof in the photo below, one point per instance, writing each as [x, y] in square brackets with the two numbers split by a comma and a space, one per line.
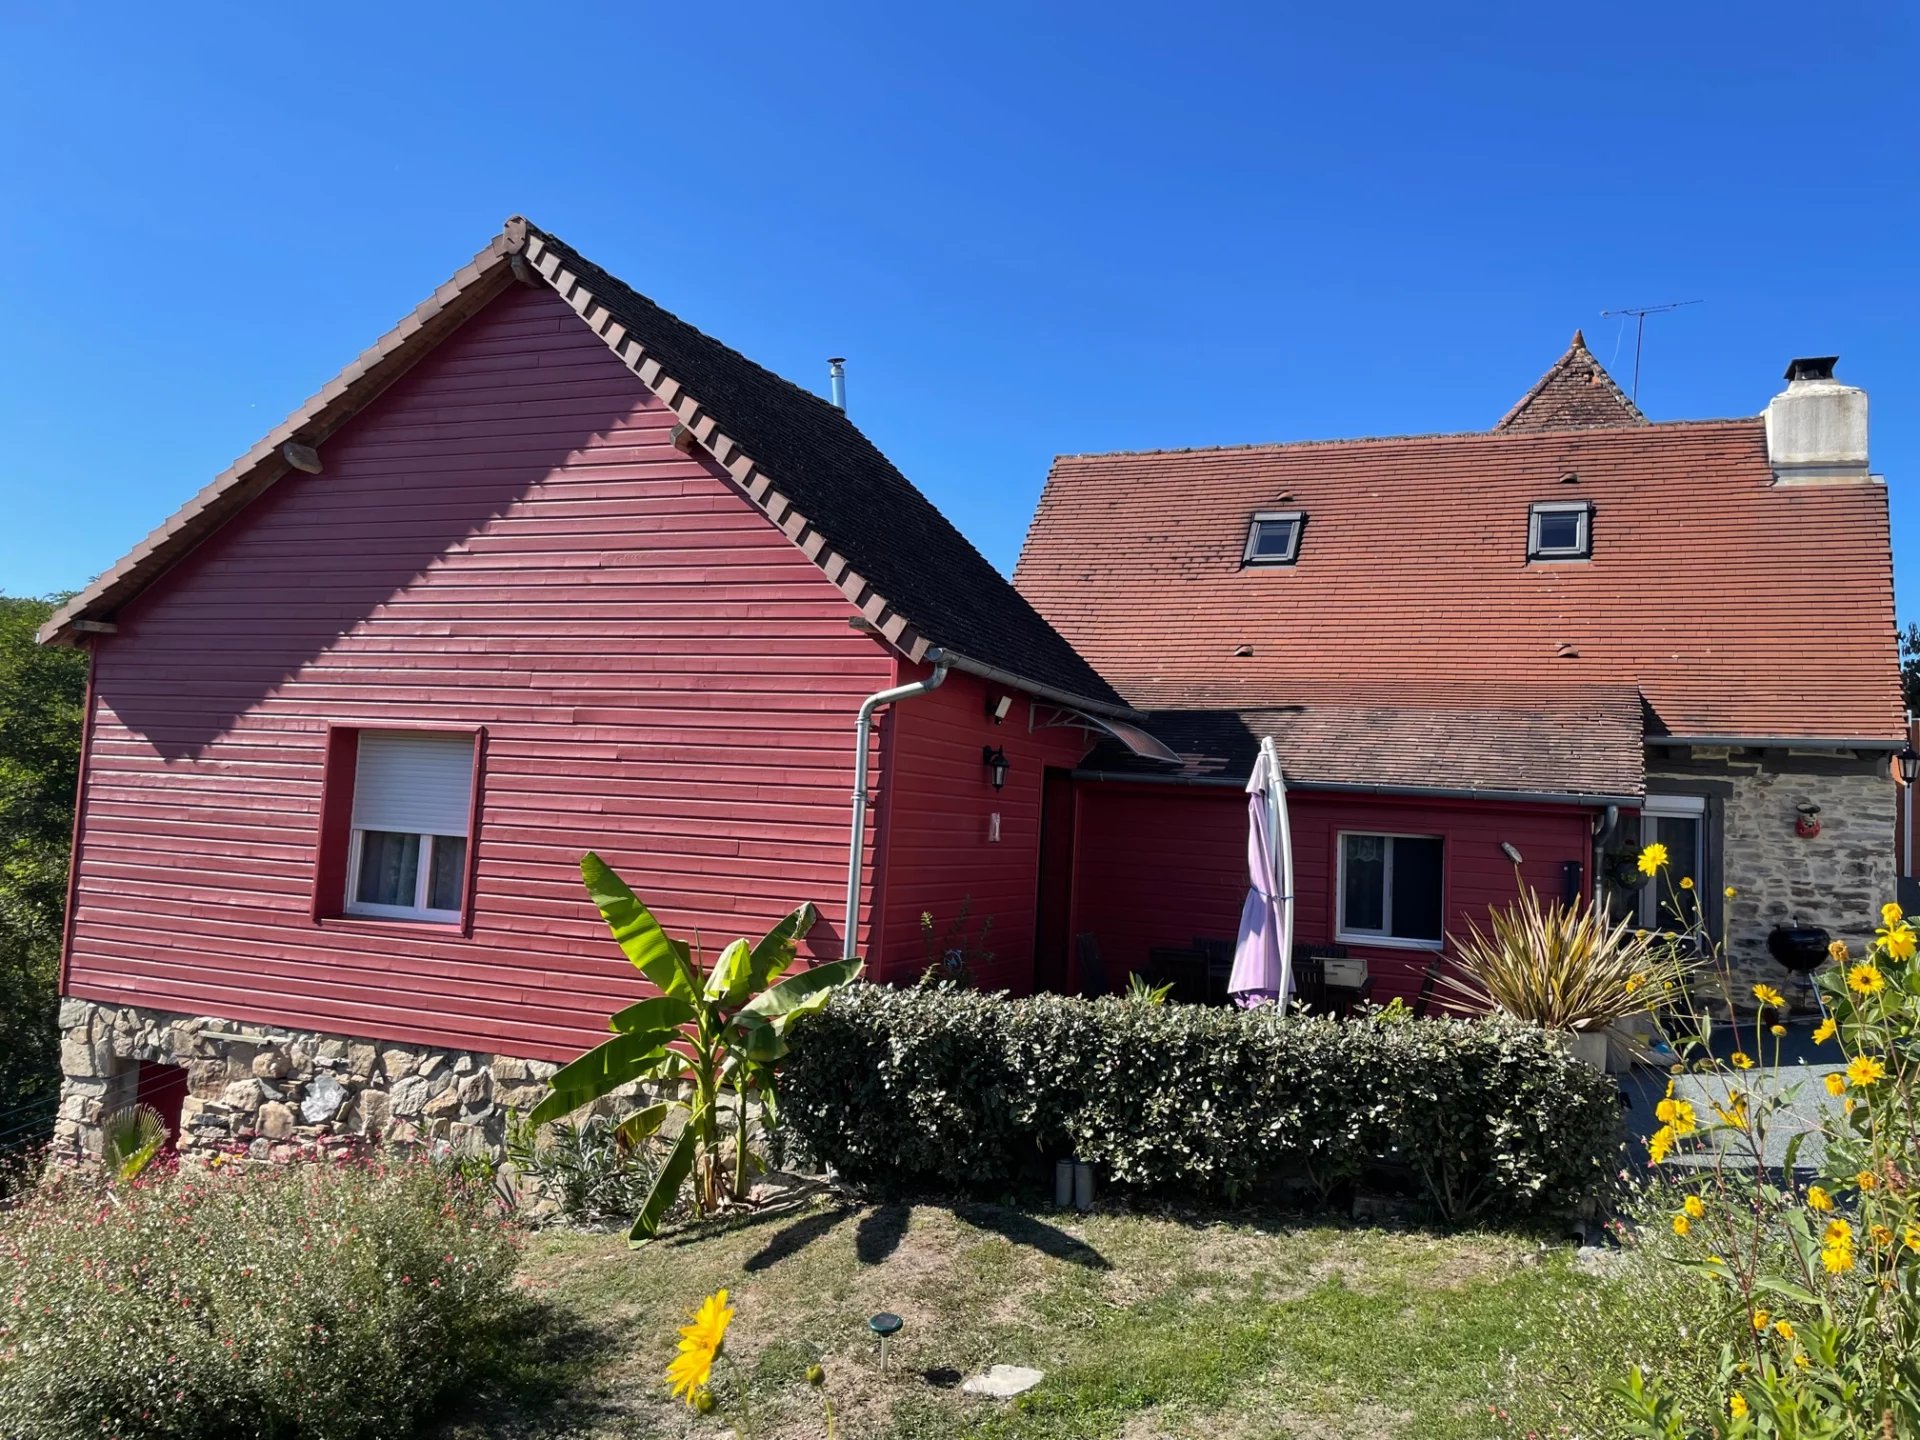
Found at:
[916, 578]
[1575, 393]
[1737, 607]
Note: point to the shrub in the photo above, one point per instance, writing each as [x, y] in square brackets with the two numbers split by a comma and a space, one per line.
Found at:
[957, 1088]
[327, 1301]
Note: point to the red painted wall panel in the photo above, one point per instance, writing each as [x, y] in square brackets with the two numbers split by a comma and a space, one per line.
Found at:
[1163, 865]
[937, 821]
[506, 539]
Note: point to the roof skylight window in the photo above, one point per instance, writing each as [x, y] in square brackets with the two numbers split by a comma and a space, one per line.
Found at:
[1274, 537]
[1560, 530]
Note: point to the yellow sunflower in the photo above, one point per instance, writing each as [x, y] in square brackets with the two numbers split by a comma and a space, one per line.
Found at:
[1731, 892]
[1866, 980]
[1767, 995]
[1742, 1060]
[1681, 1225]
[1824, 1031]
[1784, 1328]
[1694, 1206]
[1838, 951]
[1900, 942]
[1652, 858]
[1891, 914]
[1864, 1070]
[1836, 1083]
[1818, 1199]
[700, 1345]
[1660, 1143]
[1686, 882]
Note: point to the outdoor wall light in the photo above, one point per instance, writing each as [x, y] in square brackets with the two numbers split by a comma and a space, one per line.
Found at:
[997, 709]
[1906, 765]
[995, 759]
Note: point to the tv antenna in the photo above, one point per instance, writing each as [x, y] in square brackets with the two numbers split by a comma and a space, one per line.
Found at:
[1640, 313]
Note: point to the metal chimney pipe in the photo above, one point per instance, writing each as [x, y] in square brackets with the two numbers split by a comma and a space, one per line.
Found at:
[837, 379]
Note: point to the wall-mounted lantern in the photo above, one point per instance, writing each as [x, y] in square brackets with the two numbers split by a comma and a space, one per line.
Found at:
[1906, 765]
[995, 759]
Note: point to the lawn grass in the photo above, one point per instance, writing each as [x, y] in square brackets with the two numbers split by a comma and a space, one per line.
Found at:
[1147, 1325]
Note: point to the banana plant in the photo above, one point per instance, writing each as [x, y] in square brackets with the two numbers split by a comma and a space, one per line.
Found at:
[710, 1038]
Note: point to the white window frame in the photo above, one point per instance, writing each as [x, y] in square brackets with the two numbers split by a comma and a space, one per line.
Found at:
[1385, 937]
[422, 884]
[419, 910]
[1654, 893]
[1582, 550]
[1297, 518]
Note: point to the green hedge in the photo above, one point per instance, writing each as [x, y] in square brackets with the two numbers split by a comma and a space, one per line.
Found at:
[937, 1085]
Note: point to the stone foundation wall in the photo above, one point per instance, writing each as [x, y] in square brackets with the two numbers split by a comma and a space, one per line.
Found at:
[273, 1091]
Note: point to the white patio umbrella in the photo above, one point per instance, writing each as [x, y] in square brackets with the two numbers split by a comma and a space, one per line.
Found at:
[1263, 956]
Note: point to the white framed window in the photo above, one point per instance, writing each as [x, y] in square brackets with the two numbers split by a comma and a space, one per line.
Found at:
[1560, 530]
[1390, 890]
[412, 799]
[1274, 537]
[1678, 822]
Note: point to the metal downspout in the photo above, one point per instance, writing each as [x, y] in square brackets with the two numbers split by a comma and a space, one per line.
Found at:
[863, 735]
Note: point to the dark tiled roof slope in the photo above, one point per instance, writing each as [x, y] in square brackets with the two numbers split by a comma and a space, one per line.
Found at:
[1575, 393]
[851, 493]
[1562, 740]
[1738, 607]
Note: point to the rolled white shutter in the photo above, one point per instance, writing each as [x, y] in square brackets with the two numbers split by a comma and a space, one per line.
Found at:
[415, 783]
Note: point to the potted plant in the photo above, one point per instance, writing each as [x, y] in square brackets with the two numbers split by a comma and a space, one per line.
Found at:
[1567, 968]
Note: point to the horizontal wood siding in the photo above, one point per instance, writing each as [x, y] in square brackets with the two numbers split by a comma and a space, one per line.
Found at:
[937, 816]
[507, 539]
[1162, 866]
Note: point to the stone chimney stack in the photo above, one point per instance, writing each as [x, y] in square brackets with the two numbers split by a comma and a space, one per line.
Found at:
[1817, 427]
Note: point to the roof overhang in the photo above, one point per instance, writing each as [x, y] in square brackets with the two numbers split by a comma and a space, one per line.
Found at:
[1782, 742]
[1411, 792]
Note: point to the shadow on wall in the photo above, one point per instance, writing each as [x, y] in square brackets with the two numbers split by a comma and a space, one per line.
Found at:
[309, 563]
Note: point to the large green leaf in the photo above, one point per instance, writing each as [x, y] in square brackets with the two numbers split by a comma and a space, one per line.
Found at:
[656, 1012]
[635, 930]
[729, 982]
[645, 1124]
[800, 990]
[666, 1189]
[776, 949]
[759, 1039]
[637, 1055]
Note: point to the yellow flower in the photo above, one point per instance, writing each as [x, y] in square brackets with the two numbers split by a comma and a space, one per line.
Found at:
[1866, 1179]
[700, 1344]
[1760, 1319]
[1767, 995]
[1865, 980]
[1910, 1237]
[1734, 1112]
[1838, 1232]
[1800, 1359]
[1837, 1258]
[1731, 892]
[1737, 1405]
[1823, 1032]
[1742, 1060]
[1686, 882]
[1678, 1114]
[1681, 1225]
[1634, 982]
[1784, 1328]
[1838, 951]
[1660, 1143]
[1891, 915]
[1901, 943]
[1818, 1199]
[1836, 1083]
[1652, 858]
[1776, 1029]
[1864, 1070]
[1694, 1206]
[1881, 1236]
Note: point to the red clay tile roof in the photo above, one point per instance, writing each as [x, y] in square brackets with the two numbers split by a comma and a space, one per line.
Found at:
[1575, 393]
[1580, 740]
[1736, 606]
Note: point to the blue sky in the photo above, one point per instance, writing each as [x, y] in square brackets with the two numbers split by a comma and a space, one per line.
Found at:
[1032, 228]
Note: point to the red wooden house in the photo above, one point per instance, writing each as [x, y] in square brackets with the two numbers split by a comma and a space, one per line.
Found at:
[547, 570]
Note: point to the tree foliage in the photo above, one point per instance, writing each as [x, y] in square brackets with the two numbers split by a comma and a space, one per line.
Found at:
[42, 695]
[1910, 668]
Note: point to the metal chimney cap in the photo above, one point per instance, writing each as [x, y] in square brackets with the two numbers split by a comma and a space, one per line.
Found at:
[1812, 367]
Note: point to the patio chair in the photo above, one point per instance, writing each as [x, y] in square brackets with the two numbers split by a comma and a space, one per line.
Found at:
[1310, 976]
[1093, 970]
[1428, 982]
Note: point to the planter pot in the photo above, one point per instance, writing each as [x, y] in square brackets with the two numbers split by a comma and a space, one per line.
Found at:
[1586, 1046]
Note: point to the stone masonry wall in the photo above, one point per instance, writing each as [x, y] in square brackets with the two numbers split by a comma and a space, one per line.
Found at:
[273, 1091]
[1837, 879]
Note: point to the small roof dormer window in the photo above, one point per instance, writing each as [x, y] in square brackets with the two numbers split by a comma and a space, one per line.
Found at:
[1560, 530]
[1274, 537]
